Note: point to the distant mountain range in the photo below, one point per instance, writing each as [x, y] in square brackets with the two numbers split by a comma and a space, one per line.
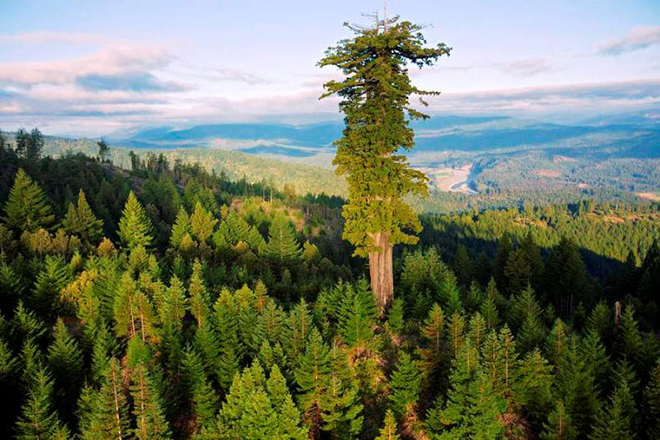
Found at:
[312, 143]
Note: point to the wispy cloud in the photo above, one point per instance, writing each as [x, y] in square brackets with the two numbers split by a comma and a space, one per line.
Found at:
[520, 67]
[570, 98]
[639, 38]
[132, 81]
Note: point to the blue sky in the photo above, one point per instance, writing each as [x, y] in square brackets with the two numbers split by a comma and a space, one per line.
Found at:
[97, 68]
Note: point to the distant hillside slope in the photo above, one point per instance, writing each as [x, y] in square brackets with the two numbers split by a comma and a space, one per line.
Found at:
[303, 178]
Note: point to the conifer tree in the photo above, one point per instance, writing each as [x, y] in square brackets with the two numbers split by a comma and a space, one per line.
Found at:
[202, 399]
[533, 388]
[388, 431]
[35, 145]
[472, 409]
[375, 99]
[147, 407]
[202, 223]
[180, 229]
[395, 316]
[38, 416]
[559, 425]
[652, 404]
[199, 297]
[312, 376]
[66, 362]
[282, 248]
[134, 226]
[26, 208]
[299, 324]
[108, 416]
[614, 422]
[341, 408]
[456, 333]
[357, 313]
[405, 386]
[289, 421]
[81, 221]
[256, 408]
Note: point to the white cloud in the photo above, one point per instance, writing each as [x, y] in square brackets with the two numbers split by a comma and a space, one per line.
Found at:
[639, 38]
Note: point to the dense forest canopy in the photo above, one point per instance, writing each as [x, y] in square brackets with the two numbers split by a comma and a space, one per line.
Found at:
[165, 301]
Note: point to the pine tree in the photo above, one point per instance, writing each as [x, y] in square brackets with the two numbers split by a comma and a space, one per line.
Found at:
[388, 431]
[35, 145]
[199, 297]
[180, 229]
[357, 313]
[66, 362]
[282, 249]
[22, 142]
[298, 326]
[26, 208]
[559, 425]
[405, 386]
[256, 408]
[456, 333]
[652, 404]
[45, 298]
[614, 422]
[202, 223]
[532, 388]
[147, 407]
[134, 226]
[472, 410]
[38, 417]
[341, 407]
[312, 377]
[376, 102]
[201, 396]
[288, 415]
[81, 221]
[395, 317]
[108, 417]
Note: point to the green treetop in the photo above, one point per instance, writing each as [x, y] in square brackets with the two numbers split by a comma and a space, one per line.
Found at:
[134, 226]
[26, 208]
[81, 221]
[375, 97]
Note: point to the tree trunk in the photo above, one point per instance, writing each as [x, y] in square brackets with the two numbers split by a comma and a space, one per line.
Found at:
[380, 270]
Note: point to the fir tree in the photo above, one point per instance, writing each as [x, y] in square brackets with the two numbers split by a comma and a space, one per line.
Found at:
[147, 407]
[66, 362]
[472, 409]
[202, 223]
[38, 417]
[26, 208]
[652, 404]
[614, 422]
[376, 102]
[180, 229]
[357, 313]
[433, 334]
[312, 376]
[199, 297]
[282, 249]
[388, 431]
[134, 226]
[81, 221]
[298, 326]
[395, 316]
[201, 396]
[405, 386]
[559, 425]
[108, 416]
[35, 145]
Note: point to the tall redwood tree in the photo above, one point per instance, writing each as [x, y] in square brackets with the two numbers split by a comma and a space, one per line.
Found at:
[375, 99]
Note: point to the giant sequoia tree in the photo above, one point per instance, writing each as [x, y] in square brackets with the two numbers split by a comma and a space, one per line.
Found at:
[375, 96]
